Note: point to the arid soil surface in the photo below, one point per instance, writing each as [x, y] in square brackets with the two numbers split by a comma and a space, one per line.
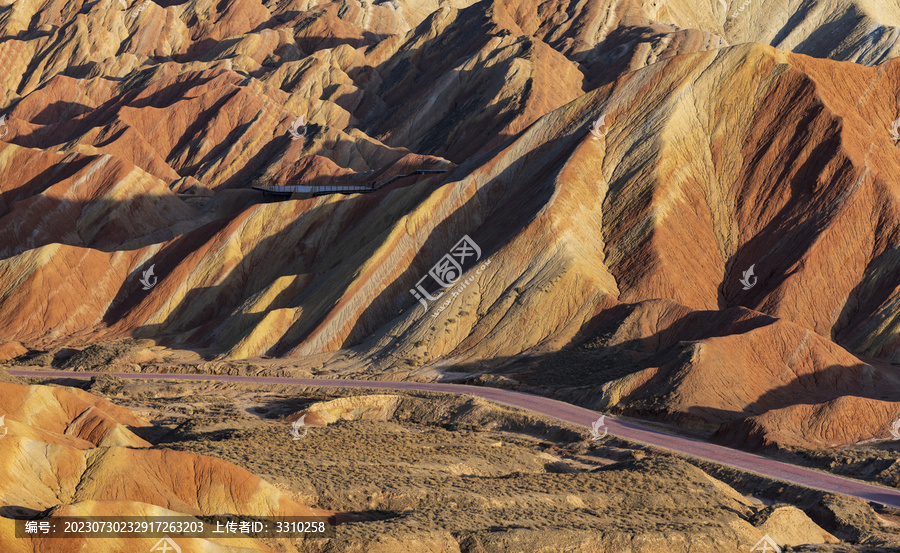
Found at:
[877, 462]
[432, 472]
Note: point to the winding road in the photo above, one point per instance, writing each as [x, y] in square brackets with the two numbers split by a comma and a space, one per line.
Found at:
[565, 412]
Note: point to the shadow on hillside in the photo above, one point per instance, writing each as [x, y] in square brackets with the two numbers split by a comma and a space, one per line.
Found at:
[577, 373]
[104, 225]
[807, 225]
[868, 296]
[210, 315]
[54, 112]
[17, 512]
[825, 385]
[504, 216]
[221, 302]
[112, 231]
[610, 59]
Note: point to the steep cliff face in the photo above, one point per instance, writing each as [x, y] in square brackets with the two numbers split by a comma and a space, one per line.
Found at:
[732, 195]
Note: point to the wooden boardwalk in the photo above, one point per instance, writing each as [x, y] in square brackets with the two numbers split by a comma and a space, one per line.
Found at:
[322, 190]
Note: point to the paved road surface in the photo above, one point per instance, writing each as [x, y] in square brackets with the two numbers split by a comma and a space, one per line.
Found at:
[567, 412]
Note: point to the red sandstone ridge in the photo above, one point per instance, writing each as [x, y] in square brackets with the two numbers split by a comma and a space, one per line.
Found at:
[133, 137]
[829, 424]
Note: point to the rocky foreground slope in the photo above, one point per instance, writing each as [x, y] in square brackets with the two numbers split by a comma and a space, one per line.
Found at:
[66, 452]
[727, 234]
[422, 473]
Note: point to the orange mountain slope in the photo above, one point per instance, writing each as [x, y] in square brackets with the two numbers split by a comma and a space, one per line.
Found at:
[730, 227]
[74, 454]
